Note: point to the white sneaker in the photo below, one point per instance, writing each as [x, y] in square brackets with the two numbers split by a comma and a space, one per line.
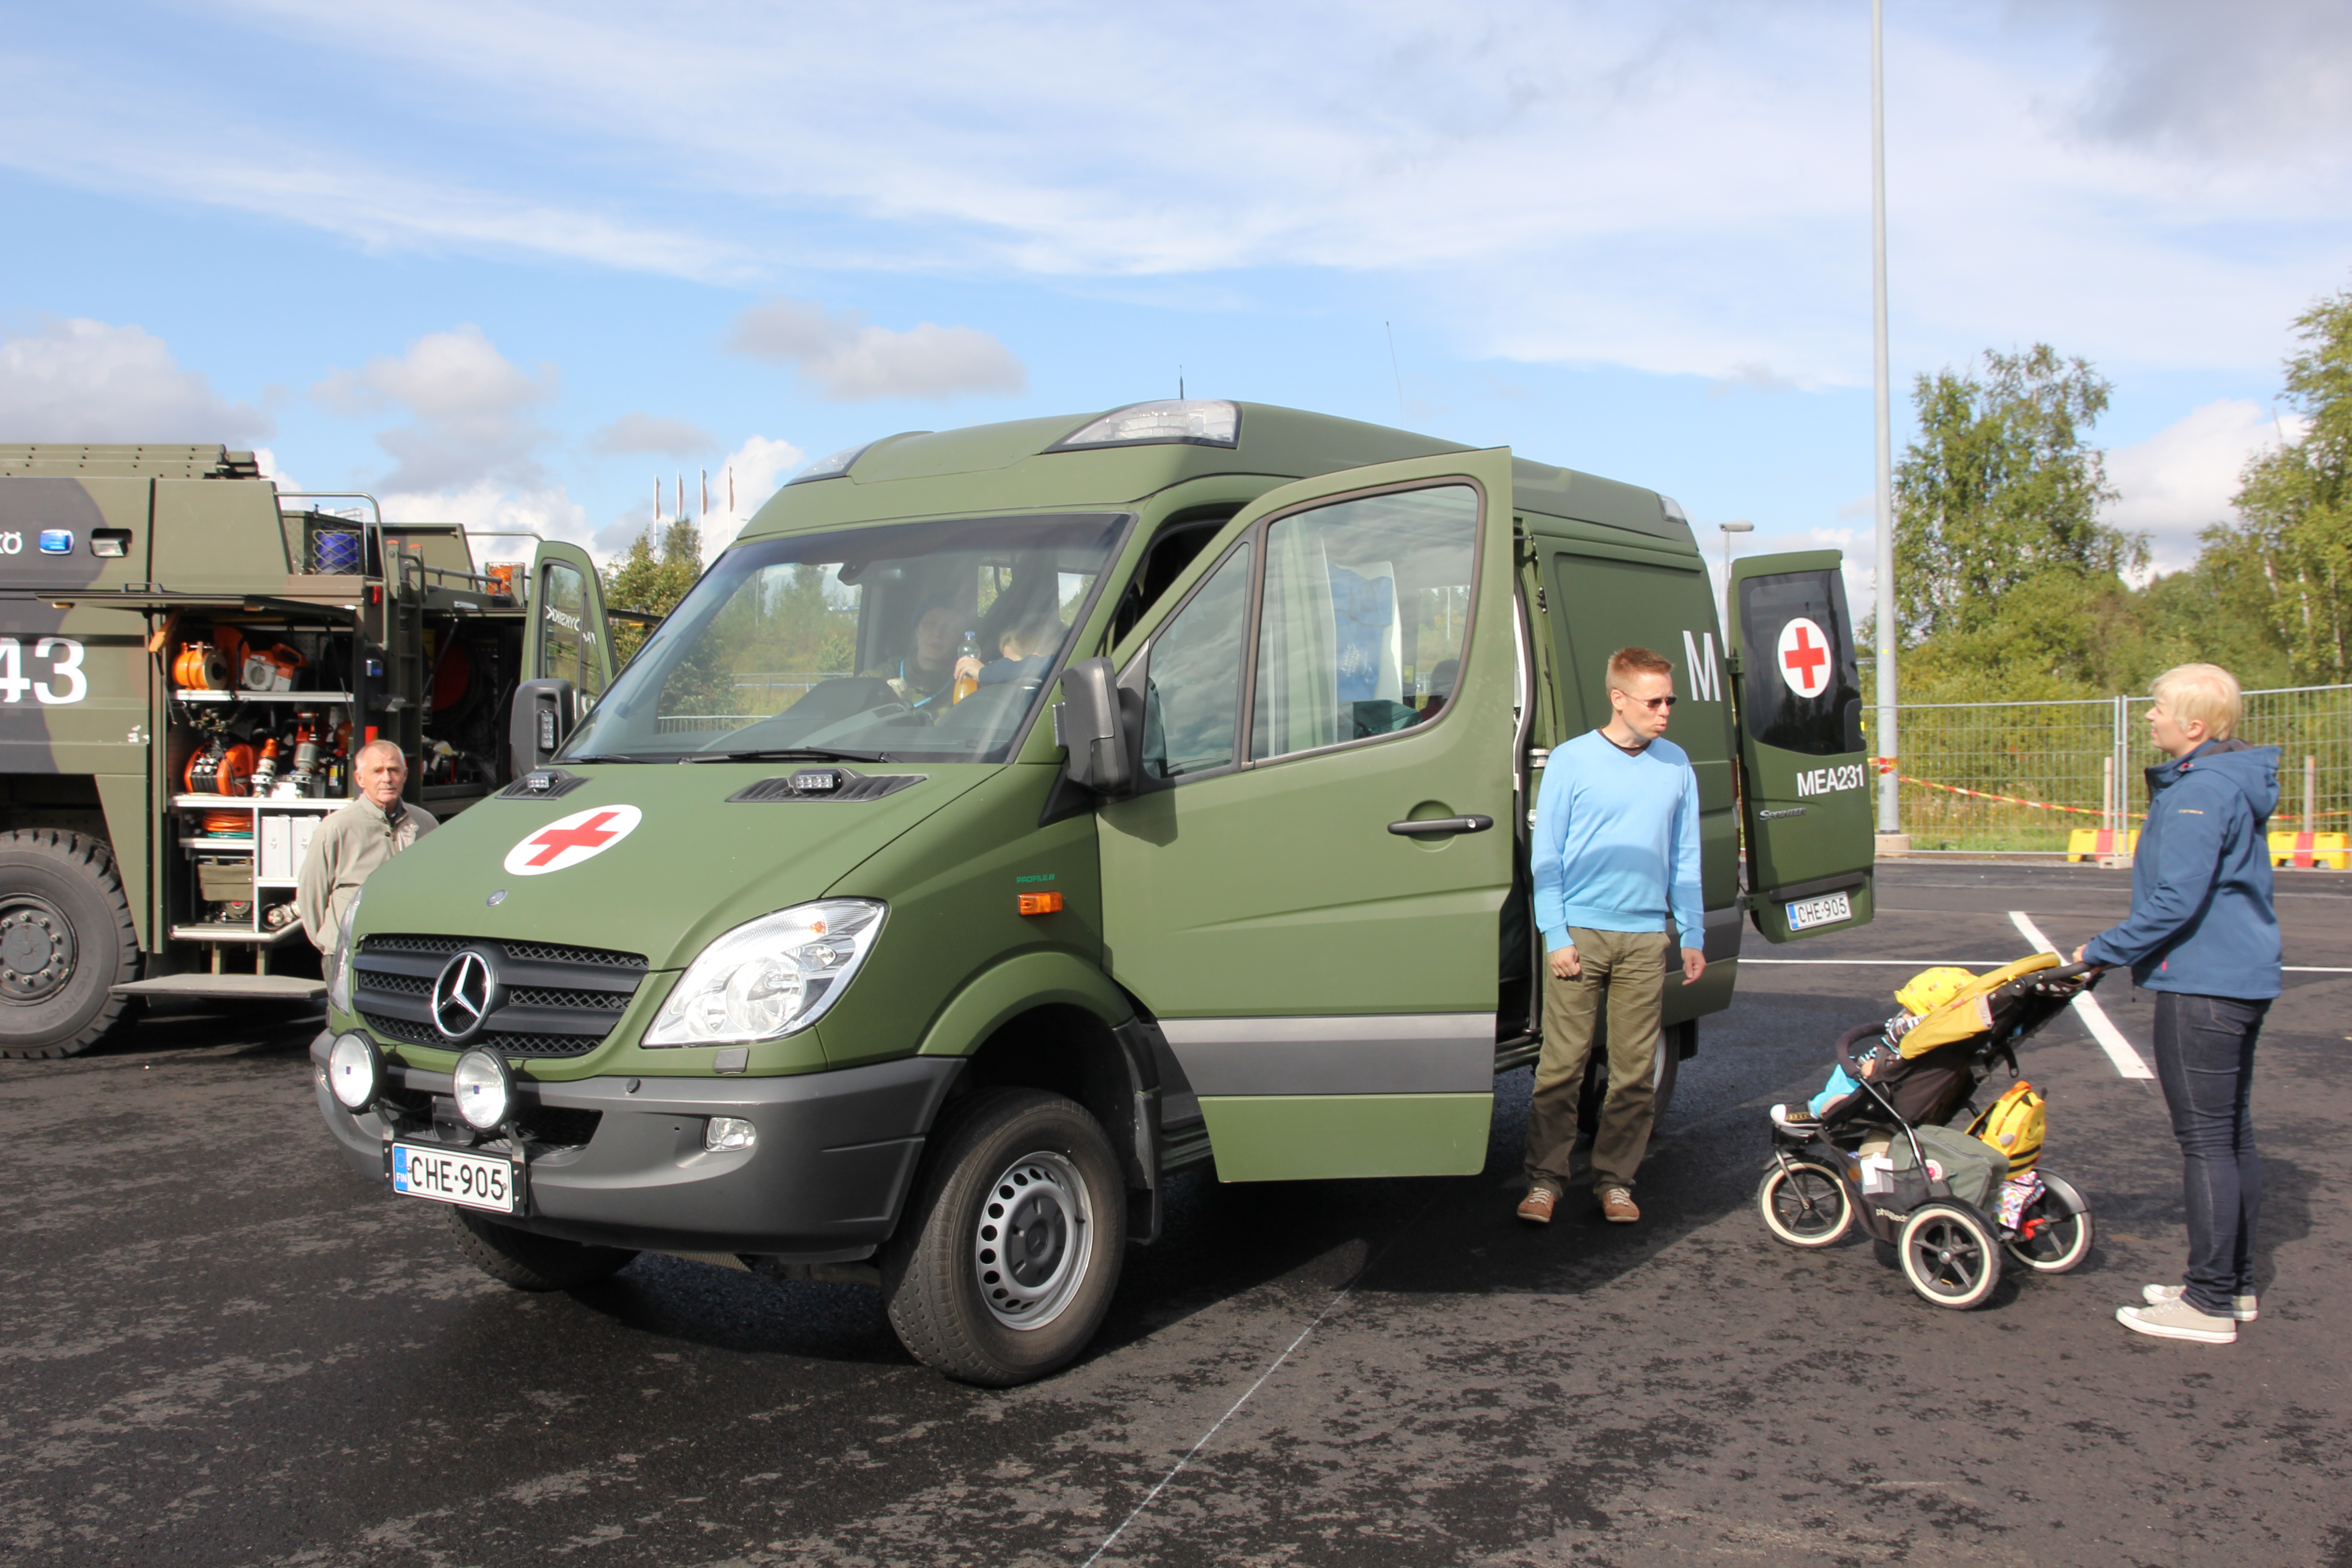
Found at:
[2241, 1308]
[2179, 1320]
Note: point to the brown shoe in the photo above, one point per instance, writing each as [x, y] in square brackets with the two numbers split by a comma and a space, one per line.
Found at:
[1536, 1207]
[1617, 1206]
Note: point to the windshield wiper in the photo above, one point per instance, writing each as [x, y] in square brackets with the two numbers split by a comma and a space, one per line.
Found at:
[602, 757]
[790, 753]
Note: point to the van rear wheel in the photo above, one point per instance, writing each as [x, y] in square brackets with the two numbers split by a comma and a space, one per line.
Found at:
[66, 941]
[1006, 1258]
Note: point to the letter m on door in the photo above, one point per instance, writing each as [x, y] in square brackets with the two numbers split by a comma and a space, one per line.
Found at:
[1706, 671]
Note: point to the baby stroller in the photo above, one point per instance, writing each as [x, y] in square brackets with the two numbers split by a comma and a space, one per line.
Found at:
[1875, 1148]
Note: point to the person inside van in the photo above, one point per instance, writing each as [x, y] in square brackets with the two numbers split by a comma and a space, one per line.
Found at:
[930, 672]
[1027, 645]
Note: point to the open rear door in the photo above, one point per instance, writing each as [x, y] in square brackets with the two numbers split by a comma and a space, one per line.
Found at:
[1805, 784]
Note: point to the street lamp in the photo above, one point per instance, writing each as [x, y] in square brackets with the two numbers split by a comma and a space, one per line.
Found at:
[1729, 530]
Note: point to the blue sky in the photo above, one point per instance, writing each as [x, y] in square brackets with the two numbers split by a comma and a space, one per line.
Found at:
[506, 262]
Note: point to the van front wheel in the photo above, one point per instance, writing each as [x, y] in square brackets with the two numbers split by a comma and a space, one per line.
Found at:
[1006, 1258]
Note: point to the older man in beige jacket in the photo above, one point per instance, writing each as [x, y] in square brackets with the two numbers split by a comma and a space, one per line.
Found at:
[350, 844]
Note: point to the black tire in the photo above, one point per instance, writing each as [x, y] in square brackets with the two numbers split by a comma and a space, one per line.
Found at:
[529, 1262]
[1804, 1204]
[1665, 1068]
[1949, 1255]
[2063, 1239]
[1008, 1169]
[66, 940]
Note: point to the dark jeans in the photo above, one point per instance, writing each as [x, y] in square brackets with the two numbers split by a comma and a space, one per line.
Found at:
[2205, 1060]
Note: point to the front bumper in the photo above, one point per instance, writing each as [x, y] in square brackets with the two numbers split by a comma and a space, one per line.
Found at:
[835, 1154]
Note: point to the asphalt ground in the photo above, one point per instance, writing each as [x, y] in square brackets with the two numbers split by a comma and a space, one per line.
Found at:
[219, 1346]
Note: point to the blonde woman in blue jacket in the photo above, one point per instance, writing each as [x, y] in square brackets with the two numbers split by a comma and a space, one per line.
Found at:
[2203, 936]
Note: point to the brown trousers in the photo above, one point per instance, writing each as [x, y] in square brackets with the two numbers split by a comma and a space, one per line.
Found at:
[1625, 971]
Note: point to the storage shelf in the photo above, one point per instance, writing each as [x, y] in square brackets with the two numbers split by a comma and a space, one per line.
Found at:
[315, 698]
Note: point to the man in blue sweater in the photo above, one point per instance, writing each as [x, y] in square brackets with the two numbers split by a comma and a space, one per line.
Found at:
[1617, 874]
[2203, 936]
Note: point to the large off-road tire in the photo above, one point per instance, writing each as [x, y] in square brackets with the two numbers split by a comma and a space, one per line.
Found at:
[1006, 1258]
[1665, 1068]
[529, 1262]
[66, 940]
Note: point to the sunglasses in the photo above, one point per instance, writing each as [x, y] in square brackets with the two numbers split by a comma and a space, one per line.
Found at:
[1652, 703]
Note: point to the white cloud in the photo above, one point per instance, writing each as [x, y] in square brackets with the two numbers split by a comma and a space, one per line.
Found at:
[2180, 480]
[839, 354]
[79, 380]
[486, 506]
[641, 432]
[472, 409]
[1679, 188]
[267, 460]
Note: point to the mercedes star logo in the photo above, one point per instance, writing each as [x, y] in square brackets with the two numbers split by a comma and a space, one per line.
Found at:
[462, 994]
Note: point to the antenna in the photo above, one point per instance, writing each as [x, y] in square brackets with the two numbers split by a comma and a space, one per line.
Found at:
[1397, 370]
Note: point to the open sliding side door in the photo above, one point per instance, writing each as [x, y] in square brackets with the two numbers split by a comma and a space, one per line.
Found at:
[1805, 783]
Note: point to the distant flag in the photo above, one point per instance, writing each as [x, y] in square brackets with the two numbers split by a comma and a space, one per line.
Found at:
[706, 492]
[658, 499]
[731, 490]
[681, 495]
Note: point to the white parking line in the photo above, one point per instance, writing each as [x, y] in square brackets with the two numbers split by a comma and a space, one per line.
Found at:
[2094, 1017]
[1894, 962]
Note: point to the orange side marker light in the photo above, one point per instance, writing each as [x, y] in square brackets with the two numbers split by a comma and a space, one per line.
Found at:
[1041, 903]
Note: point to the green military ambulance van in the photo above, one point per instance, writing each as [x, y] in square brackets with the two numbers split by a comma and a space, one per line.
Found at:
[1013, 816]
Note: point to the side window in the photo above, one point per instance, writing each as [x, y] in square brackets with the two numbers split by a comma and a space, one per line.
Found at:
[562, 614]
[1191, 701]
[1366, 607]
[1803, 692]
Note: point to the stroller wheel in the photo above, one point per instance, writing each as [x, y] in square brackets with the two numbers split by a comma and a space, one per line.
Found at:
[1804, 1204]
[1949, 1255]
[2055, 1234]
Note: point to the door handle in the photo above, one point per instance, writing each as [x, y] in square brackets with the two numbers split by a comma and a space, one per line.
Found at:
[1432, 827]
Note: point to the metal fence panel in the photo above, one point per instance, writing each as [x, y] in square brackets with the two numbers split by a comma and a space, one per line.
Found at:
[2021, 775]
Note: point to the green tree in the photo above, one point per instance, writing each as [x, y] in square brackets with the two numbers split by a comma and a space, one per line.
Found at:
[2288, 561]
[2002, 487]
[652, 578]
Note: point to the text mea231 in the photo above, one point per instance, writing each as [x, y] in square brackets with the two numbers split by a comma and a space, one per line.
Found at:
[1830, 781]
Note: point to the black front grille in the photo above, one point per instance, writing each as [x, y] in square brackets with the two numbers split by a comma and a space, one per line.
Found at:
[552, 1001]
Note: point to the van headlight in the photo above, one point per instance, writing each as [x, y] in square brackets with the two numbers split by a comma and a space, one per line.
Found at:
[338, 962]
[768, 977]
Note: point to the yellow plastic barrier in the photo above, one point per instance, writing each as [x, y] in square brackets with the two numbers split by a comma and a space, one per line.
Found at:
[2098, 843]
[2331, 850]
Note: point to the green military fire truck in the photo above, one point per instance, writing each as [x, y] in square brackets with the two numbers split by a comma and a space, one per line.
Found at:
[1013, 816]
[189, 658]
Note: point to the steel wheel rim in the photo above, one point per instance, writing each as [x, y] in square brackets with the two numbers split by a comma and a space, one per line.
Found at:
[1030, 1243]
[1948, 1257]
[37, 954]
[1793, 1200]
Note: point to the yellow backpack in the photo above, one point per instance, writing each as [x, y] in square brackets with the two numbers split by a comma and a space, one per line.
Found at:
[2014, 1124]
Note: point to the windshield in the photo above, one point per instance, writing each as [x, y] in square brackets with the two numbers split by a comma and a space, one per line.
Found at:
[915, 641]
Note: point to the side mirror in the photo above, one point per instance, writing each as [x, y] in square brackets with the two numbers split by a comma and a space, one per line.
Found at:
[542, 718]
[1090, 722]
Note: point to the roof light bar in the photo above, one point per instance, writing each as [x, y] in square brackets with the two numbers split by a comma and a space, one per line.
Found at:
[1187, 422]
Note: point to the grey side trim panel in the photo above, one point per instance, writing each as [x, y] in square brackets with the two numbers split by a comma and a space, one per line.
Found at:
[1411, 1053]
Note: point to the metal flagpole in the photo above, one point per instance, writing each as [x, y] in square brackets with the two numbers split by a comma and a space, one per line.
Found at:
[1889, 819]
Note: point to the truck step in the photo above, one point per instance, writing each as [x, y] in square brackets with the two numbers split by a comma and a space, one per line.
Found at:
[227, 987]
